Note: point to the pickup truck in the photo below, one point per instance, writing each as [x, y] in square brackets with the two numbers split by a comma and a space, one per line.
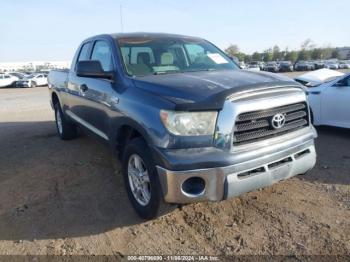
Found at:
[188, 124]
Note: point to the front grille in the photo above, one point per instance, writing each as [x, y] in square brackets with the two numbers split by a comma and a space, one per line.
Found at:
[257, 125]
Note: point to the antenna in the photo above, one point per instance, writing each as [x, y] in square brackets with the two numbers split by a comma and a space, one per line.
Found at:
[121, 18]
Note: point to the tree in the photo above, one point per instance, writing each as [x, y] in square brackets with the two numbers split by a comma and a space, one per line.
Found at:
[267, 55]
[256, 56]
[326, 53]
[232, 50]
[276, 53]
[292, 56]
[307, 44]
[304, 55]
[335, 54]
[316, 53]
[247, 58]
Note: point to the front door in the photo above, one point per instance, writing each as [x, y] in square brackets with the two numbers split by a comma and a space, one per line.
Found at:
[335, 105]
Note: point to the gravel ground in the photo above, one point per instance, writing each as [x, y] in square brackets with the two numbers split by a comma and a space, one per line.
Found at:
[64, 198]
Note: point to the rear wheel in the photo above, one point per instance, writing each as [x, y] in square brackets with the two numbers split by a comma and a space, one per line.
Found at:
[65, 129]
[141, 179]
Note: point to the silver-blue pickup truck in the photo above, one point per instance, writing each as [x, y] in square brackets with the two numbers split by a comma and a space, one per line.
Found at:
[188, 124]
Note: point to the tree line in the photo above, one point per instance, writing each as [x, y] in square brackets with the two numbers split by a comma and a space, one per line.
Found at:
[307, 51]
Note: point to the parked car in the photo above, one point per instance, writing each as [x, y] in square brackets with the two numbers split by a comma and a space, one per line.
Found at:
[19, 75]
[189, 126]
[262, 66]
[254, 66]
[33, 81]
[331, 65]
[344, 65]
[7, 80]
[329, 96]
[318, 64]
[286, 66]
[272, 67]
[242, 65]
[303, 66]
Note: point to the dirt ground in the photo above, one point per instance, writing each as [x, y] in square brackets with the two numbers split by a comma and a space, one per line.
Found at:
[67, 197]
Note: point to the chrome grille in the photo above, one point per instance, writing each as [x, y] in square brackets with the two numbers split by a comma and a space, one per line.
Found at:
[257, 125]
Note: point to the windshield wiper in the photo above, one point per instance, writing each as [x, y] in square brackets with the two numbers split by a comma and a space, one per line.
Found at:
[167, 72]
[200, 70]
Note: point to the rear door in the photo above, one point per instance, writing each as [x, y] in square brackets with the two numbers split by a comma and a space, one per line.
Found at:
[335, 105]
[75, 99]
[93, 100]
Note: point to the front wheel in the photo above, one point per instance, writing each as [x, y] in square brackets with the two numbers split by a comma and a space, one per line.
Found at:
[141, 179]
[32, 84]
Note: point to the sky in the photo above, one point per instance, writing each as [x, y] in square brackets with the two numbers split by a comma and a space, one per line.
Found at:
[36, 30]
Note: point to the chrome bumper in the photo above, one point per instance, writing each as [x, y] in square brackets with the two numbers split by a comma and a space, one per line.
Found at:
[233, 180]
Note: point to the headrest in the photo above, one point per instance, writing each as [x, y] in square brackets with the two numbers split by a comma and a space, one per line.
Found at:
[143, 58]
[167, 59]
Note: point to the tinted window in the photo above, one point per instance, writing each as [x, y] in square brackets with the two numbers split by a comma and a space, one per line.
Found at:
[84, 52]
[347, 81]
[102, 53]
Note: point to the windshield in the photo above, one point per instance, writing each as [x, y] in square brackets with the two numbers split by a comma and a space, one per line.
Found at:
[163, 55]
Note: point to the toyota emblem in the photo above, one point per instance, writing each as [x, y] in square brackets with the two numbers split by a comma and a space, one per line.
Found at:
[278, 121]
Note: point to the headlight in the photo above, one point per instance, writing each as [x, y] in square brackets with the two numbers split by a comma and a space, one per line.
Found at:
[189, 123]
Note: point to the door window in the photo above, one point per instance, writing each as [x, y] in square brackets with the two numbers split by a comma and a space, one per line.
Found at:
[102, 53]
[84, 52]
[347, 81]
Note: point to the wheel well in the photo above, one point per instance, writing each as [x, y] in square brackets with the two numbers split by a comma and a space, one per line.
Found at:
[55, 99]
[126, 133]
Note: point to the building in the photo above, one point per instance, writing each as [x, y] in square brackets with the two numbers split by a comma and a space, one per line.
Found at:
[344, 52]
[33, 66]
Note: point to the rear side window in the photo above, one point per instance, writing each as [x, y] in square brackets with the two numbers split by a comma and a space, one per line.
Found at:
[84, 52]
[103, 53]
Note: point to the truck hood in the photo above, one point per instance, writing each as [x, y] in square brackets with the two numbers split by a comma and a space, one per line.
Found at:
[207, 87]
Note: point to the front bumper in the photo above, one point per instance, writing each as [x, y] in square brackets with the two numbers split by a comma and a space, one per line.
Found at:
[233, 180]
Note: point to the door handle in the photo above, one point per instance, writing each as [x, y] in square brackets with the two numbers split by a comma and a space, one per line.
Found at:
[84, 88]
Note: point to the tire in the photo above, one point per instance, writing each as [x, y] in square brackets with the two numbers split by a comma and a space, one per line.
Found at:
[65, 129]
[32, 84]
[146, 205]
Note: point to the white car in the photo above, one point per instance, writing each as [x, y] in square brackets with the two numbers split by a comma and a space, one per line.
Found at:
[7, 80]
[344, 64]
[331, 65]
[33, 81]
[329, 97]
[242, 65]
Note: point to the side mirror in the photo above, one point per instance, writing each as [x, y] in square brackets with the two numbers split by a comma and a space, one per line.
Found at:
[92, 69]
